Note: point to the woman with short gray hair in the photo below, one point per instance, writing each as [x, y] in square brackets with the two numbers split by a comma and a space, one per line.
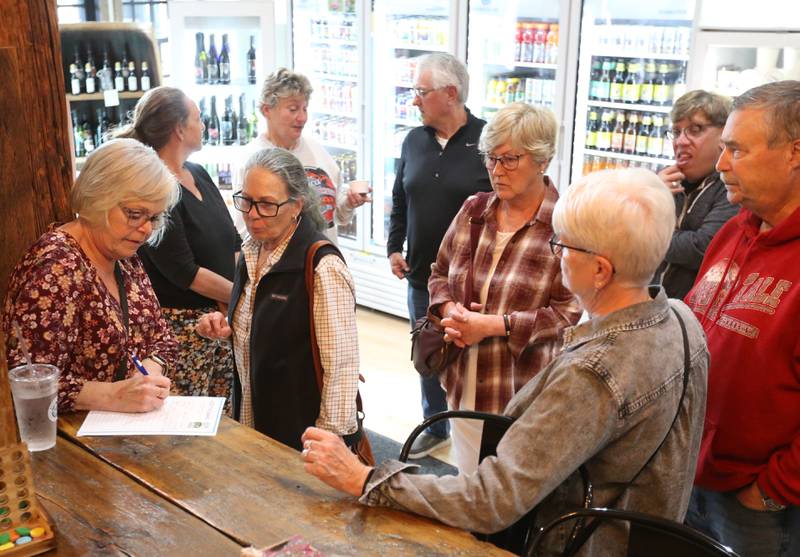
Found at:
[274, 335]
[81, 297]
[519, 306]
[284, 100]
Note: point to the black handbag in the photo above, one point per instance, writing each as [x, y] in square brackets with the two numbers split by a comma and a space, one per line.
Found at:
[429, 352]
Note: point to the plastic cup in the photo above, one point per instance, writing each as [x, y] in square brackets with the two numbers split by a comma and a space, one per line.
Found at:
[360, 186]
[35, 390]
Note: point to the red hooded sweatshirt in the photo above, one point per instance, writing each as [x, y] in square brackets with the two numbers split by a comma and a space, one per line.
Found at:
[747, 297]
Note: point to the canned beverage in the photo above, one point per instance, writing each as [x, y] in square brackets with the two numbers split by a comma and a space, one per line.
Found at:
[35, 390]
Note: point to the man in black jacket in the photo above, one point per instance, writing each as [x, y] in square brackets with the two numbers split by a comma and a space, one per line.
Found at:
[701, 203]
[439, 167]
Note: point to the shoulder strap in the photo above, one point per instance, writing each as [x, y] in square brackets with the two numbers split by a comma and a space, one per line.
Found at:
[122, 367]
[589, 529]
[475, 225]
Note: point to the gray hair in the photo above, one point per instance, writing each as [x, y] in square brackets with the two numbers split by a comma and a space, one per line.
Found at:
[780, 102]
[285, 165]
[531, 128]
[625, 215]
[156, 116]
[119, 171]
[715, 107]
[446, 70]
[281, 84]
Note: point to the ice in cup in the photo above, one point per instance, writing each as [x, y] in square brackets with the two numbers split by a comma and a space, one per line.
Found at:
[360, 186]
[35, 390]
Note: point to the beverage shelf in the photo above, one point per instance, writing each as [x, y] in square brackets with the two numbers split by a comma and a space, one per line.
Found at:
[332, 112]
[535, 65]
[333, 42]
[624, 156]
[404, 85]
[606, 53]
[425, 47]
[335, 145]
[406, 122]
[335, 77]
[99, 96]
[210, 87]
[631, 106]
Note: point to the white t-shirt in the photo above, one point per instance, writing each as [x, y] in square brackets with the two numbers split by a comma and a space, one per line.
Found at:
[310, 153]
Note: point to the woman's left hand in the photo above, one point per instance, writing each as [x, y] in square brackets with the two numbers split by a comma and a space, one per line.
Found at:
[327, 457]
[465, 328]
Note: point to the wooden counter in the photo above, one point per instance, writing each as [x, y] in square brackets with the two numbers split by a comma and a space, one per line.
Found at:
[255, 491]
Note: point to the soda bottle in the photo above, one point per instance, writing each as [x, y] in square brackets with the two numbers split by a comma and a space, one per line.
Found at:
[539, 43]
[655, 144]
[518, 42]
[632, 88]
[604, 133]
[604, 83]
[618, 133]
[591, 131]
[629, 139]
[527, 42]
[617, 83]
[594, 78]
[648, 85]
[661, 86]
[551, 50]
[643, 139]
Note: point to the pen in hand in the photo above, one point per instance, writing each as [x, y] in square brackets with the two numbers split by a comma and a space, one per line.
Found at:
[138, 365]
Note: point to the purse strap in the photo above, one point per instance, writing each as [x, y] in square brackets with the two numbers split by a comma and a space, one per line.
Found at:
[309, 277]
[122, 367]
[589, 529]
[475, 225]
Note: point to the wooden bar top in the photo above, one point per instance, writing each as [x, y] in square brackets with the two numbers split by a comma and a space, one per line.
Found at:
[255, 490]
[99, 510]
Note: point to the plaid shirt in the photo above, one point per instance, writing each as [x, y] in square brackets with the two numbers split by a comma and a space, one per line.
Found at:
[335, 325]
[526, 285]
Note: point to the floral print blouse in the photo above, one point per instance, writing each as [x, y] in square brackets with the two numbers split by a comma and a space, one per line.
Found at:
[70, 319]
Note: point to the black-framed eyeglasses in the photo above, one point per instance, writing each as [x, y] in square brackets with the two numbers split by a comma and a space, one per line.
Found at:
[557, 247]
[421, 92]
[137, 217]
[692, 131]
[266, 209]
[509, 162]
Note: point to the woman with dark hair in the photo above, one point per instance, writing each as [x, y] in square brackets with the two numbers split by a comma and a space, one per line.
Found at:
[192, 268]
[276, 389]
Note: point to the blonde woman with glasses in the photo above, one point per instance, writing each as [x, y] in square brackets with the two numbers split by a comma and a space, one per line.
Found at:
[81, 296]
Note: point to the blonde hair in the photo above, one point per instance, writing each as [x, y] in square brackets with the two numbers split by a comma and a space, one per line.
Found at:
[119, 171]
[156, 116]
[625, 215]
[531, 128]
[281, 84]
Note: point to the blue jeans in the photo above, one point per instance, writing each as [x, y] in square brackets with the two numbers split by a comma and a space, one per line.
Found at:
[433, 396]
[749, 533]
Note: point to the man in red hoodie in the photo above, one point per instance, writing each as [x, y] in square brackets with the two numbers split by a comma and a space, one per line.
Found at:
[747, 297]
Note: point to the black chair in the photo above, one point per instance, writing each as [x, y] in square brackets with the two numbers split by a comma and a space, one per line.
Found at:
[650, 536]
[517, 537]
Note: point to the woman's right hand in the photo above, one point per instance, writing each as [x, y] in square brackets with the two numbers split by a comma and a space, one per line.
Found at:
[214, 326]
[139, 393]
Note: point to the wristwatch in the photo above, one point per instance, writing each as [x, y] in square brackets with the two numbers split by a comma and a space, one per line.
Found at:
[769, 503]
[160, 361]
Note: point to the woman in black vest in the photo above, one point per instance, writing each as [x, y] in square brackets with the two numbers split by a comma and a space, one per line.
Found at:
[275, 387]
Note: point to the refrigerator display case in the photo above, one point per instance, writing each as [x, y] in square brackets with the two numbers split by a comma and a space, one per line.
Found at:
[514, 54]
[740, 48]
[327, 47]
[226, 87]
[632, 65]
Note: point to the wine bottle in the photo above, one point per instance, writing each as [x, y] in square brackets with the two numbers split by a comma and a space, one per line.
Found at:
[251, 61]
[213, 62]
[204, 119]
[78, 65]
[133, 83]
[242, 134]
[102, 126]
[227, 125]
[252, 122]
[213, 123]
[119, 81]
[105, 74]
[200, 60]
[225, 61]
[90, 73]
[77, 136]
[145, 76]
[125, 70]
[75, 83]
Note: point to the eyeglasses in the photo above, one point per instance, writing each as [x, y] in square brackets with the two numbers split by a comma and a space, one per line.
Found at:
[692, 131]
[266, 209]
[137, 218]
[557, 247]
[421, 92]
[509, 162]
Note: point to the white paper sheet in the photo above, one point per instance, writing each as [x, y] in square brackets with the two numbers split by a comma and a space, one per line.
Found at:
[180, 415]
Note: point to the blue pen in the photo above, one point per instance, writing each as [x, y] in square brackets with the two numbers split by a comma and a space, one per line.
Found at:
[138, 365]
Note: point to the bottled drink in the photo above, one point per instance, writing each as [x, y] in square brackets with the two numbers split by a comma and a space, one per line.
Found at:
[587, 165]
[618, 82]
[604, 83]
[527, 42]
[77, 135]
[591, 131]
[213, 62]
[667, 151]
[632, 88]
[251, 61]
[200, 59]
[594, 79]
[78, 65]
[604, 133]
[75, 83]
[105, 74]
[648, 85]
[241, 132]
[213, 123]
[225, 61]
[204, 119]
[125, 70]
[629, 139]
[643, 138]
[145, 76]
[679, 87]
[103, 126]
[539, 42]
[252, 122]
[661, 86]
[518, 42]
[133, 83]
[618, 133]
[551, 49]
[90, 73]
[119, 81]
[655, 144]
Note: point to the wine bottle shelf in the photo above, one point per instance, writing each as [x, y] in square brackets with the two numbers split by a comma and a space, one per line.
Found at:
[99, 96]
[631, 106]
[604, 53]
[532, 65]
[624, 156]
[332, 112]
[336, 77]
[333, 42]
[423, 47]
[239, 83]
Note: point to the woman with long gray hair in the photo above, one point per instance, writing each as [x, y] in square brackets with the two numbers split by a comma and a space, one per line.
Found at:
[275, 387]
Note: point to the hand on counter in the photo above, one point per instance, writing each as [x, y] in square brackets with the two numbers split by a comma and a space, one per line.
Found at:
[327, 457]
[140, 393]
